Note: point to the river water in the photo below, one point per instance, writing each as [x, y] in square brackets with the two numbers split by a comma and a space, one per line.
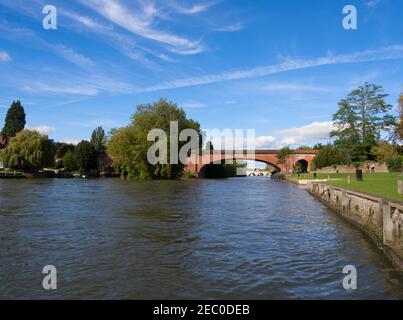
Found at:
[240, 238]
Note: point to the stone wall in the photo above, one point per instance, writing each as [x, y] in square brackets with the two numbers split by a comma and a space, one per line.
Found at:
[367, 167]
[381, 219]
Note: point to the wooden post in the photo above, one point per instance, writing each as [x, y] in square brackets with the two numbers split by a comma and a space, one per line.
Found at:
[348, 179]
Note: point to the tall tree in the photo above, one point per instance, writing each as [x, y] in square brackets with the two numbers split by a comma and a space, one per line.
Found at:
[15, 119]
[360, 119]
[28, 150]
[85, 156]
[98, 139]
[128, 146]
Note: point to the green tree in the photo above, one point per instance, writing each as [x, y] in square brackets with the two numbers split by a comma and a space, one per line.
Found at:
[360, 119]
[63, 148]
[69, 161]
[318, 146]
[384, 151]
[329, 156]
[98, 140]
[128, 146]
[400, 122]
[28, 150]
[304, 148]
[15, 120]
[282, 156]
[85, 156]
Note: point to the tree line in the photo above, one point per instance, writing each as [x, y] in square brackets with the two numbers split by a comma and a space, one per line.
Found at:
[29, 150]
[366, 129]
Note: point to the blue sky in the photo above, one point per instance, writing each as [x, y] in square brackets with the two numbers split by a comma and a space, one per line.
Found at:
[279, 67]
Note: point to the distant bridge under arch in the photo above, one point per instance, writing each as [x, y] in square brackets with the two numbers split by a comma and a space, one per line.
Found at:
[302, 157]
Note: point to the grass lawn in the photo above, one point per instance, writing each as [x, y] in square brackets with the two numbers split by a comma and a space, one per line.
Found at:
[380, 184]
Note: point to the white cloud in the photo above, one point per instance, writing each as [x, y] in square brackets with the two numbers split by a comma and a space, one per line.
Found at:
[289, 64]
[44, 129]
[140, 22]
[266, 142]
[230, 28]
[311, 133]
[373, 3]
[72, 56]
[4, 56]
[290, 87]
[192, 105]
[87, 21]
[82, 90]
[194, 9]
[70, 141]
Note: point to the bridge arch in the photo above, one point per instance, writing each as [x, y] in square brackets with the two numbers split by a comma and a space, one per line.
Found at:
[302, 166]
[203, 172]
[196, 163]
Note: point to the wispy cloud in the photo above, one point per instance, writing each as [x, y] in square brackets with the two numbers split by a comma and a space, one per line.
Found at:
[230, 28]
[194, 9]
[193, 105]
[44, 129]
[140, 22]
[292, 87]
[373, 3]
[30, 38]
[72, 56]
[59, 89]
[4, 56]
[289, 64]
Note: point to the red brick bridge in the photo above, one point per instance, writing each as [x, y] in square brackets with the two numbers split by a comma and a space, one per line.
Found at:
[302, 157]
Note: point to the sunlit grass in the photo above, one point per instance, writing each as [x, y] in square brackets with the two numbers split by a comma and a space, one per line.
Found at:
[379, 184]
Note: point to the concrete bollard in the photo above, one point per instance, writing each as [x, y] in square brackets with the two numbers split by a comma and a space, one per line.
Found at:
[348, 179]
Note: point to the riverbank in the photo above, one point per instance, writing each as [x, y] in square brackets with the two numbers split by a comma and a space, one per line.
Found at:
[381, 219]
[382, 185]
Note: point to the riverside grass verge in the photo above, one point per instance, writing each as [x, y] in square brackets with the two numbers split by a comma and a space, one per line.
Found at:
[377, 184]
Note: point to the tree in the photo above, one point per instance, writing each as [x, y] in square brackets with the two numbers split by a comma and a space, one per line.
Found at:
[28, 150]
[283, 154]
[400, 123]
[85, 156]
[128, 146]
[63, 149]
[98, 140]
[304, 148]
[15, 120]
[360, 119]
[388, 153]
[384, 151]
[318, 146]
[69, 161]
[329, 156]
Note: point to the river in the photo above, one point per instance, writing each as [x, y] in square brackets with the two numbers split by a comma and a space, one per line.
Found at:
[240, 238]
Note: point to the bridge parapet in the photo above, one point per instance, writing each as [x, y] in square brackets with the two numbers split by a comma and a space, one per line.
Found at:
[195, 164]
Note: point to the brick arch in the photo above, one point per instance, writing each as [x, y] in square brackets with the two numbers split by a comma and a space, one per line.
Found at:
[268, 160]
[195, 165]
